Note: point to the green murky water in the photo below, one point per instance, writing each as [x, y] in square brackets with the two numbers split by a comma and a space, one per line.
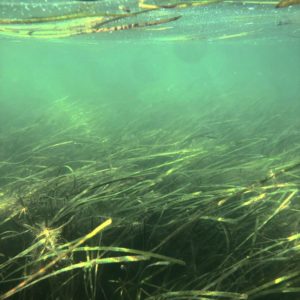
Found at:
[186, 134]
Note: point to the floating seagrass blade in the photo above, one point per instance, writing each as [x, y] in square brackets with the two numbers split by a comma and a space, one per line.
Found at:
[285, 3]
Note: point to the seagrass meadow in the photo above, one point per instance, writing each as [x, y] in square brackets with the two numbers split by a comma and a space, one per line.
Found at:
[150, 150]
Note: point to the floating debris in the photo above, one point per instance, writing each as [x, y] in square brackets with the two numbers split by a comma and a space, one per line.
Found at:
[286, 3]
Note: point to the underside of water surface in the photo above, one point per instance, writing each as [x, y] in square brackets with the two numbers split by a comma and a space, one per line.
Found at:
[163, 20]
